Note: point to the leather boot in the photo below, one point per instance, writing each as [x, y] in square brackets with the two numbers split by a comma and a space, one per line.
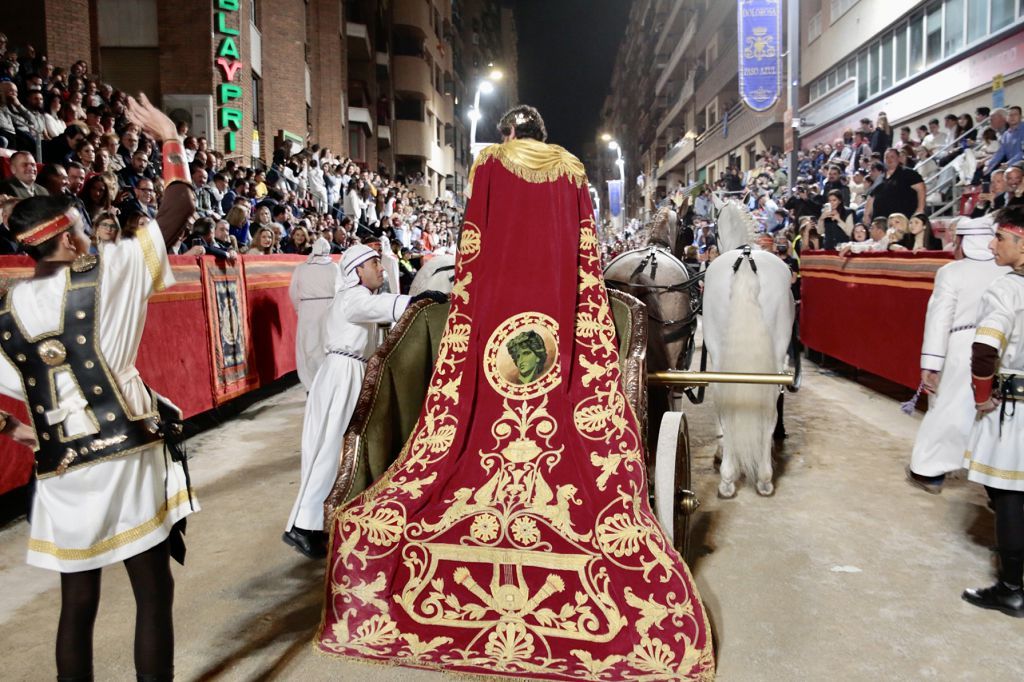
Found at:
[75, 678]
[1006, 595]
[309, 543]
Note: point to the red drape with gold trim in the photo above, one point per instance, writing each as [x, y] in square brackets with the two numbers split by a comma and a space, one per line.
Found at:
[868, 310]
[514, 535]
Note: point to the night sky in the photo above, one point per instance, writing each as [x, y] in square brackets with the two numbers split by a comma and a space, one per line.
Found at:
[566, 53]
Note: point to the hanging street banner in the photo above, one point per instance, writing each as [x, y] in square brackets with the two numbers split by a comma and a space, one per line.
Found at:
[615, 197]
[760, 52]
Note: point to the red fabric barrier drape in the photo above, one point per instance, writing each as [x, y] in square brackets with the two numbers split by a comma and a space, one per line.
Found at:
[175, 355]
[868, 310]
[271, 314]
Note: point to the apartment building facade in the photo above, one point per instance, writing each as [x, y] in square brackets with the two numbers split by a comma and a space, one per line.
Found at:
[674, 102]
[376, 80]
[912, 60]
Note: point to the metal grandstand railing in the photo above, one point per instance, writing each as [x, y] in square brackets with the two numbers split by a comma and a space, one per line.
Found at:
[944, 182]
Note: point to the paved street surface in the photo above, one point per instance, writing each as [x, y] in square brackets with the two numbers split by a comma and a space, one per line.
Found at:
[845, 574]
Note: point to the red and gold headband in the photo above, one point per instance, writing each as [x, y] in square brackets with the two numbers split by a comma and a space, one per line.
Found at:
[49, 229]
[1016, 230]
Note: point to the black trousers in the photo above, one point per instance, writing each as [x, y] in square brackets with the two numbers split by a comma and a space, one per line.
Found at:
[1009, 508]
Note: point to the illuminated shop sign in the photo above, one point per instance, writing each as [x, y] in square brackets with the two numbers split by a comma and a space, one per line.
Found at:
[229, 93]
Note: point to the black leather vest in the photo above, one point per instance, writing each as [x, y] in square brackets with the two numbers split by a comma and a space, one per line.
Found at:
[75, 348]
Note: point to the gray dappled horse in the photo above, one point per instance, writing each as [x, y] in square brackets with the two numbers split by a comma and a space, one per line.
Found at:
[656, 276]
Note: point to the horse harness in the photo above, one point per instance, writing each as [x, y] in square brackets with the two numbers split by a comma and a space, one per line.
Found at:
[651, 260]
[745, 255]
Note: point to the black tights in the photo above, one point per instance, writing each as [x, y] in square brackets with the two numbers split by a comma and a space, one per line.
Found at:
[1009, 508]
[153, 586]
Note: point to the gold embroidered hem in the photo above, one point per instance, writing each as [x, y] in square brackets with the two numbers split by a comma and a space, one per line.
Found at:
[992, 471]
[114, 542]
[533, 161]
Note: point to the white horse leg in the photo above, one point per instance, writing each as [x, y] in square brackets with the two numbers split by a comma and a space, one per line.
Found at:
[729, 473]
[764, 472]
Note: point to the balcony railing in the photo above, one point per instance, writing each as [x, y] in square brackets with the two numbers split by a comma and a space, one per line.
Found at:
[676, 105]
[677, 55]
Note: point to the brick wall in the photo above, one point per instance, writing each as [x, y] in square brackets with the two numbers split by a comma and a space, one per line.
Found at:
[185, 28]
[328, 76]
[68, 31]
[283, 24]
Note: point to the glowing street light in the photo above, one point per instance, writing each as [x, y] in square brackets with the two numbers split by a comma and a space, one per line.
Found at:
[485, 87]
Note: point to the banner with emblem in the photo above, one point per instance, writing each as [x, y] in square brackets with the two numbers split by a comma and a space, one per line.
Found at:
[224, 295]
[760, 52]
[615, 197]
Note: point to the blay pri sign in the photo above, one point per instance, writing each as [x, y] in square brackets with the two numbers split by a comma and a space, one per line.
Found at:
[760, 29]
[229, 93]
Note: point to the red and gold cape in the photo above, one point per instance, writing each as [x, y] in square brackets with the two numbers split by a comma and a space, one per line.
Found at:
[513, 536]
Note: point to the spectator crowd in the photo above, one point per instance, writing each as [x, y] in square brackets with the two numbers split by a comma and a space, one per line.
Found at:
[64, 131]
[872, 189]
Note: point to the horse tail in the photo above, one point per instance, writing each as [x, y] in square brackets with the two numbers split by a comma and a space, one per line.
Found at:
[747, 411]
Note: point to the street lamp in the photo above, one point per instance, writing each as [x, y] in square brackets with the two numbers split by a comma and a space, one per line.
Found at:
[620, 163]
[485, 87]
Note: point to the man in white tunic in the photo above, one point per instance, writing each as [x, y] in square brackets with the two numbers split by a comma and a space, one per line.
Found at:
[311, 291]
[995, 448]
[946, 355]
[107, 489]
[350, 331]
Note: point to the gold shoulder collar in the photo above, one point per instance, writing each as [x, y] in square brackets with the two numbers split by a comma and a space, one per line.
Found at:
[84, 263]
[533, 161]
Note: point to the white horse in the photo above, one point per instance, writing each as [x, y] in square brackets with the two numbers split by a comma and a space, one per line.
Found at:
[437, 274]
[748, 321]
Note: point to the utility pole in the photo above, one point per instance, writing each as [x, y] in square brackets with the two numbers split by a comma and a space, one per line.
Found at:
[793, 40]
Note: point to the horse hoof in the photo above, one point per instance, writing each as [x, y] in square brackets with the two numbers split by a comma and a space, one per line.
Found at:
[726, 491]
[765, 488]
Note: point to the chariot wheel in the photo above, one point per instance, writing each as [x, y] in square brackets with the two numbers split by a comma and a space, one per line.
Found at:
[674, 500]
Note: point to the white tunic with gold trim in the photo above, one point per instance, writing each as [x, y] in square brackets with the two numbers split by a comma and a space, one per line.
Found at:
[100, 514]
[995, 455]
[948, 334]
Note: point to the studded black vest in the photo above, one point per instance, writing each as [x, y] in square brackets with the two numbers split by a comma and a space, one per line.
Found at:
[75, 348]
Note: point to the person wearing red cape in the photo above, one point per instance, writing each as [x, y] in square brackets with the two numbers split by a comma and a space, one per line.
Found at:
[513, 536]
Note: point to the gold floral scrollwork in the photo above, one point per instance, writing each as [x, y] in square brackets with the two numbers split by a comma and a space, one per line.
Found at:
[461, 289]
[509, 643]
[469, 242]
[596, 669]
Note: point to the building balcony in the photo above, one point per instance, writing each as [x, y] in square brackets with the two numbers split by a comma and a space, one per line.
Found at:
[675, 156]
[718, 77]
[358, 41]
[361, 116]
[412, 76]
[413, 138]
[743, 125]
[414, 14]
[676, 106]
[666, 38]
[384, 132]
[677, 56]
[383, 59]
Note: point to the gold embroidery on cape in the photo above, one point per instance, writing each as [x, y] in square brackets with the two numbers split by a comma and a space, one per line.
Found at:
[507, 561]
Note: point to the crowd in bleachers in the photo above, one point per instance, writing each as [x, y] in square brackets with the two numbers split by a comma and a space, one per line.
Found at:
[63, 130]
[875, 188]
